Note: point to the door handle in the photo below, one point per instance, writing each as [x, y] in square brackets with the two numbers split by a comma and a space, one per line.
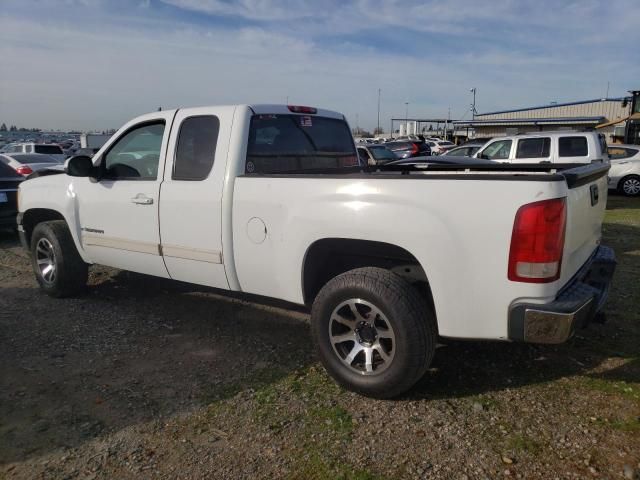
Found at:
[142, 199]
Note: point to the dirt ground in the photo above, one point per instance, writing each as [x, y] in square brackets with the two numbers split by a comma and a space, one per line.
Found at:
[146, 378]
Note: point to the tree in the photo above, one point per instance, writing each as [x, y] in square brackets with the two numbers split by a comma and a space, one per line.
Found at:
[3, 127]
[13, 128]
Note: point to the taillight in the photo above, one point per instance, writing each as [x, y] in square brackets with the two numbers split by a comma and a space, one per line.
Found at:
[24, 170]
[537, 242]
[301, 109]
[414, 148]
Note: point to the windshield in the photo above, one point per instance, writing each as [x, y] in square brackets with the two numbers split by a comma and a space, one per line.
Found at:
[382, 153]
[50, 149]
[286, 143]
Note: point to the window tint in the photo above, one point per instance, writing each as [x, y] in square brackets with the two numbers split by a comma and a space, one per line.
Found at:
[382, 153]
[35, 158]
[289, 143]
[136, 154]
[196, 148]
[50, 149]
[533, 148]
[497, 150]
[572, 146]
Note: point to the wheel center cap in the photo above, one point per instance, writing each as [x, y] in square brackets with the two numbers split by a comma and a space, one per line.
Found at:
[367, 334]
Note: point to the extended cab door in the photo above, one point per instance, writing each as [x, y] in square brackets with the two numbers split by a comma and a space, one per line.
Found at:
[118, 214]
[191, 196]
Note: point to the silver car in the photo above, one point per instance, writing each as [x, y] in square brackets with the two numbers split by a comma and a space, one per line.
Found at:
[624, 175]
[27, 163]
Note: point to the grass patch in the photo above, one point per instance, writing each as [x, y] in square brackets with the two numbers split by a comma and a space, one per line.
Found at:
[622, 388]
[520, 443]
[316, 466]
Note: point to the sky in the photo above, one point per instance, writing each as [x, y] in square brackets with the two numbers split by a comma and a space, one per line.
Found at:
[94, 64]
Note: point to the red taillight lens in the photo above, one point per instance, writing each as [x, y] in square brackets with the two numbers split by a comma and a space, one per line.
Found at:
[414, 148]
[537, 242]
[301, 109]
[24, 170]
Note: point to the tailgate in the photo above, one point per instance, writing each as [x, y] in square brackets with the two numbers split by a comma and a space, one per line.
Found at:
[586, 204]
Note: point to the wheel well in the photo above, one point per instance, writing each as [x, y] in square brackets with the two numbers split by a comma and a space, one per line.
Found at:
[34, 216]
[327, 258]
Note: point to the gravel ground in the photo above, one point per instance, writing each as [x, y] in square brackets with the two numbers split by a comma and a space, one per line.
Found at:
[146, 378]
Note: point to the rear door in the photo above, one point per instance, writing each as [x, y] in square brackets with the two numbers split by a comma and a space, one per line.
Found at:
[533, 150]
[191, 206]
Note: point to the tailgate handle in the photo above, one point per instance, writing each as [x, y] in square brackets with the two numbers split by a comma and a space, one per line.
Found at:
[594, 195]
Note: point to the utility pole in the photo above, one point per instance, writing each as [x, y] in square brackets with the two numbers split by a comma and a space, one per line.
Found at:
[473, 105]
[378, 111]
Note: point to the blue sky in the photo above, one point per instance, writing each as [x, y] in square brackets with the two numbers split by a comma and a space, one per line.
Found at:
[93, 64]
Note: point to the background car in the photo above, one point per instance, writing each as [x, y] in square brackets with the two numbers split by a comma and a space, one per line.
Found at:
[466, 150]
[9, 182]
[375, 154]
[441, 160]
[409, 148]
[624, 175]
[89, 152]
[438, 147]
[27, 163]
[50, 149]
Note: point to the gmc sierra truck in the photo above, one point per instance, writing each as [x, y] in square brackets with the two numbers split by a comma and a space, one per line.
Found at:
[271, 200]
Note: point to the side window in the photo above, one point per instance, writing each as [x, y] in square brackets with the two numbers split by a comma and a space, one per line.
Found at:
[136, 154]
[497, 150]
[533, 148]
[28, 149]
[196, 148]
[619, 152]
[363, 156]
[572, 146]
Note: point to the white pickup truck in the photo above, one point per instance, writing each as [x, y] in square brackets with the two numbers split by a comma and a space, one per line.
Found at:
[270, 200]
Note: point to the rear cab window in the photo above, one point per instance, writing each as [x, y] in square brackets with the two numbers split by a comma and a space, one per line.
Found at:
[48, 149]
[573, 146]
[292, 143]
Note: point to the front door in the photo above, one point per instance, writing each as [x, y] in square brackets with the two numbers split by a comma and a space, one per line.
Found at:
[119, 214]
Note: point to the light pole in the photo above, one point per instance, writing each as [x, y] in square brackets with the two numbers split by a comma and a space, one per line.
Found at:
[406, 118]
[473, 105]
[378, 132]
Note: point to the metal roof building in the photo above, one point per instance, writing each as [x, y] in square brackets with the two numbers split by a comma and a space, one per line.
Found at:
[581, 115]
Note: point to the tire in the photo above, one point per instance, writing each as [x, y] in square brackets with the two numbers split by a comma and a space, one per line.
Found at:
[52, 246]
[630, 186]
[383, 348]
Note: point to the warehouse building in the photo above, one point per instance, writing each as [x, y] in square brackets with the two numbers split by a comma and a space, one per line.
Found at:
[587, 114]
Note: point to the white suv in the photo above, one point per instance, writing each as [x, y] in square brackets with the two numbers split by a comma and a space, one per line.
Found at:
[547, 147]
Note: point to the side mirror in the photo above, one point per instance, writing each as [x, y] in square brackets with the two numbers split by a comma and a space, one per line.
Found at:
[80, 166]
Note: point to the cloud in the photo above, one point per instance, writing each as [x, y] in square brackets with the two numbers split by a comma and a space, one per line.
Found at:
[97, 63]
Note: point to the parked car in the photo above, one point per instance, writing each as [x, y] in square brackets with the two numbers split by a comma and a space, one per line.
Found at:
[409, 148]
[547, 147]
[624, 175]
[389, 262]
[442, 160]
[438, 147]
[89, 152]
[9, 182]
[27, 163]
[466, 150]
[375, 154]
[52, 150]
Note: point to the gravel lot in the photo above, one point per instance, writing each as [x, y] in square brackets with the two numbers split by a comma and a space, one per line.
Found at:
[145, 378]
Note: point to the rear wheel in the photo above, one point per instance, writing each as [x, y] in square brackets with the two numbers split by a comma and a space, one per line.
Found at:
[59, 269]
[630, 186]
[373, 332]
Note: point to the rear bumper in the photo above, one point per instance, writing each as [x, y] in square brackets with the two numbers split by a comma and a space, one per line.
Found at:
[576, 305]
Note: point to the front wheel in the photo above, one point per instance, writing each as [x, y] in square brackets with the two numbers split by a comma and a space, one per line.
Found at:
[630, 186]
[58, 267]
[373, 332]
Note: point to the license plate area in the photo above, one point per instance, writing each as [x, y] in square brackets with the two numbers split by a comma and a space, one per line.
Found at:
[3, 197]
